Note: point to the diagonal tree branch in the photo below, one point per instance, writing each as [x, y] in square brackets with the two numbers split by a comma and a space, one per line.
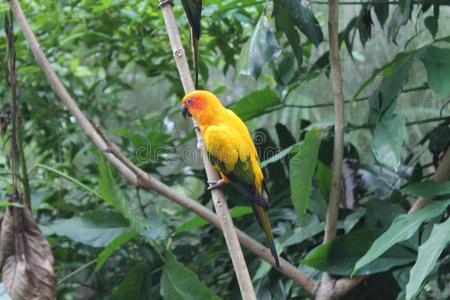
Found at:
[135, 175]
[219, 199]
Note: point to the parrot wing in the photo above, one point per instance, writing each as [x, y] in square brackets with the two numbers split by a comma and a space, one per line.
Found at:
[231, 155]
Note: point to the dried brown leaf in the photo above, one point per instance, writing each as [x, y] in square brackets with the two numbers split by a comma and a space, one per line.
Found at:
[28, 261]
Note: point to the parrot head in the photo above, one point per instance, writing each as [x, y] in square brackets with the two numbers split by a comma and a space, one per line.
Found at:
[201, 105]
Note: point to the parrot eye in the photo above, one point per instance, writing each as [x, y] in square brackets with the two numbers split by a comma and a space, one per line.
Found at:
[189, 101]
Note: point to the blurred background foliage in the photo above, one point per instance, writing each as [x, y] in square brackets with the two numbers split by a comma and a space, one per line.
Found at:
[269, 61]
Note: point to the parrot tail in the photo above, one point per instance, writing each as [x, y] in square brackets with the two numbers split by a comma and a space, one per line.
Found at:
[263, 220]
[260, 206]
[195, 57]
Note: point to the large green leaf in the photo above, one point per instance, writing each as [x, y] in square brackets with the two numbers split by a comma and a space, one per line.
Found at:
[381, 10]
[96, 228]
[113, 246]
[180, 283]
[284, 23]
[302, 16]
[301, 168]
[261, 48]
[403, 227]
[340, 255]
[395, 75]
[388, 138]
[135, 285]
[255, 103]
[428, 188]
[427, 257]
[112, 194]
[437, 64]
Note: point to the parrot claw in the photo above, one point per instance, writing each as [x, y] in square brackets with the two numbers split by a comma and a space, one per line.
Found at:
[215, 184]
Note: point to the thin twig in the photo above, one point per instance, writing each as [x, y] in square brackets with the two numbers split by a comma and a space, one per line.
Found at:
[328, 104]
[326, 286]
[146, 181]
[219, 199]
[12, 83]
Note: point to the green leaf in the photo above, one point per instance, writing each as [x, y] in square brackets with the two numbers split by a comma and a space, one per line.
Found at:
[352, 219]
[180, 283]
[261, 48]
[437, 64]
[284, 23]
[324, 179]
[112, 194]
[427, 257]
[431, 23]
[402, 228]
[395, 75]
[381, 10]
[388, 138]
[255, 103]
[113, 246]
[96, 228]
[302, 16]
[428, 188]
[301, 234]
[197, 221]
[6, 203]
[340, 255]
[285, 137]
[301, 168]
[135, 285]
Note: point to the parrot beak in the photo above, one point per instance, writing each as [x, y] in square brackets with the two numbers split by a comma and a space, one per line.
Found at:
[185, 112]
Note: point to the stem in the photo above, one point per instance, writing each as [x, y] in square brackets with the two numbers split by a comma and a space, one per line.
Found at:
[71, 179]
[429, 120]
[24, 176]
[338, 152]
[76, 271]
[326, 286]
[327, 104]
[219, 199]
[137, 176]
[12, 82]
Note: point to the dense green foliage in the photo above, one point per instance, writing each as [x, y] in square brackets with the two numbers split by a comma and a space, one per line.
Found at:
[269, 62]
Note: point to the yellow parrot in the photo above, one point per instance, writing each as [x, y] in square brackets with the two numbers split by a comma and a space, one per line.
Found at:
[231, 151]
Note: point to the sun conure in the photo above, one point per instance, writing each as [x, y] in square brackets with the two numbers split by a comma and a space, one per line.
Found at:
[193, 9]
[231, 151]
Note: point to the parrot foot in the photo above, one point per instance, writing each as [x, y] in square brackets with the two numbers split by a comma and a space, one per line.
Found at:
[215, 184]
[163, 3]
